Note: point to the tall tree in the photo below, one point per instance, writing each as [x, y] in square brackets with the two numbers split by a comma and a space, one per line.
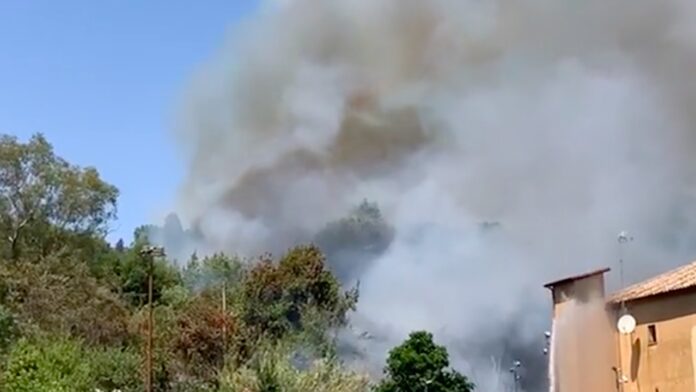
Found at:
[420, 365]
[284, 296]
[42, 197]
[353, 242]
[212, 272]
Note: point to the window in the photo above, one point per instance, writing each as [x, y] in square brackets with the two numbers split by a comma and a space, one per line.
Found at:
[652, 335]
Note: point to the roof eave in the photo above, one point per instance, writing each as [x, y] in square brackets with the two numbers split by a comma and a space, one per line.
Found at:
[571, 279]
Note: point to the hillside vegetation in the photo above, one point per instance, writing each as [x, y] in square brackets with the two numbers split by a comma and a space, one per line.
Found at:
[74, 313]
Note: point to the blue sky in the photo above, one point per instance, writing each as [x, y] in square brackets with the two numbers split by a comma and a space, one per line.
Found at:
[101, 79]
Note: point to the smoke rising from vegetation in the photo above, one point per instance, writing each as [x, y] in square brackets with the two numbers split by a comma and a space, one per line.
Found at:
[566, 122]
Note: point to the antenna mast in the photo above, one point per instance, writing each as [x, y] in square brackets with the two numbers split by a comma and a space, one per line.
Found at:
[623, 239]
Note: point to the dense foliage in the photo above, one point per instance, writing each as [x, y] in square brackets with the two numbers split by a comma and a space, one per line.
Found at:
[421, 365]
[74, 312]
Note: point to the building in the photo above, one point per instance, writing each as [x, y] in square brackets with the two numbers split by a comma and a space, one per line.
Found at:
[582, 354]
[589, 354]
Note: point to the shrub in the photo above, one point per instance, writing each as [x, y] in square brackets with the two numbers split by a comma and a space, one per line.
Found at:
[63, 365]
[47, 366]
[58, 297]
[199, 343]
[8, 329]
[272, 370]
[116, 369]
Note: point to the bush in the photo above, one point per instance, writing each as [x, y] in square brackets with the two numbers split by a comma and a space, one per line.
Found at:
[115, 369]
[62, 365]
[175, 296]
[272, 370]
[58, 297]
[199, 343]
[48, 366]
[8, 329]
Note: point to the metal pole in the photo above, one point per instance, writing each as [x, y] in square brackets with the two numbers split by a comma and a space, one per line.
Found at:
[151, 324]
[623, 239]
[224, 320]
[149, 254]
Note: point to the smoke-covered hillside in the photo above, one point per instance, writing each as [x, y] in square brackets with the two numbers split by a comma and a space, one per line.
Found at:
[565, 121]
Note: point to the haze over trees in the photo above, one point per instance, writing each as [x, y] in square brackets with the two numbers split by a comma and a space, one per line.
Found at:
[355, 241]
[73, 308]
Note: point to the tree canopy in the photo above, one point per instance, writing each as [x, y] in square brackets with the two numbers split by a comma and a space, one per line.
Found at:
[44, 199]
[419, 365]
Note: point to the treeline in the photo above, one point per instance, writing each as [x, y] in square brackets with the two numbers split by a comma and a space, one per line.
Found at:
[74, 314]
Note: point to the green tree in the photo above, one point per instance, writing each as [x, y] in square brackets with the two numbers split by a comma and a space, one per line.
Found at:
[120, 247]
[353, 242]
[419, 365]
[129, 274]
[133, 274]
[141, 235]
[277, 297]
[212, 271]
[44, 199]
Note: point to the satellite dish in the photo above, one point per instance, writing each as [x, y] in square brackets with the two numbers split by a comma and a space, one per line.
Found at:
[626, 324]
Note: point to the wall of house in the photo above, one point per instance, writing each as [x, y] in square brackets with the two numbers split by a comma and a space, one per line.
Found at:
[663, 361]
[584, 349]
[584, 290]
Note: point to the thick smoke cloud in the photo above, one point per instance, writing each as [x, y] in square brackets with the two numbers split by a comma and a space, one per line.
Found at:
[565, 121]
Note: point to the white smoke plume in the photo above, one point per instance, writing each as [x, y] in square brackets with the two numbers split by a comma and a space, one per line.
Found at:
[565, 121]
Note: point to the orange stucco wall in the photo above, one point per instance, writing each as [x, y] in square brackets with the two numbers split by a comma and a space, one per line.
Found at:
[668, 365]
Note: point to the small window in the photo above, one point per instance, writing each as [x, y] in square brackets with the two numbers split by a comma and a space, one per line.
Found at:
[652, 335]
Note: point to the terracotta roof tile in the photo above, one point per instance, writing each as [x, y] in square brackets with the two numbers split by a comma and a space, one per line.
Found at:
[677, 279]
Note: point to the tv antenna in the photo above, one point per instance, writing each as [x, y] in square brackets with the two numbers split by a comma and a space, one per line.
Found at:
[627, 323]
[623, 239]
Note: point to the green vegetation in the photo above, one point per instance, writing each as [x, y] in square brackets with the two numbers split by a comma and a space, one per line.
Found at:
[74, 314]
[419, 365]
